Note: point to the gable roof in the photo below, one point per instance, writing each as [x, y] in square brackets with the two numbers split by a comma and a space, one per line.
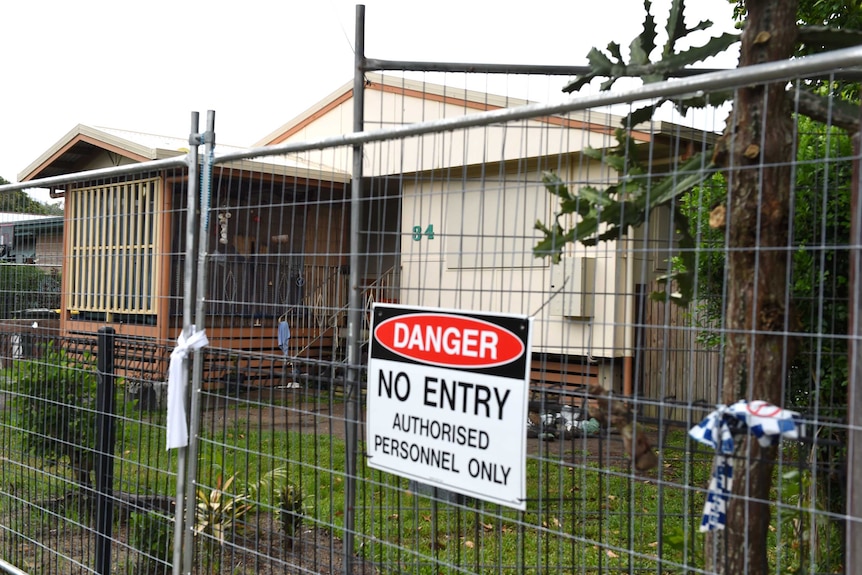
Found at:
[83, 146]
[82, 142]
[466, 101]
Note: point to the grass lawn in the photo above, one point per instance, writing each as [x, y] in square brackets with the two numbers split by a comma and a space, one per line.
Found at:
[581, 516]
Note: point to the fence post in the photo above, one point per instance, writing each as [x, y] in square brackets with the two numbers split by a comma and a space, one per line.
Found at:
[854, 388]
[208, 139]
[104, 449]
[354, 307]
[188, 318]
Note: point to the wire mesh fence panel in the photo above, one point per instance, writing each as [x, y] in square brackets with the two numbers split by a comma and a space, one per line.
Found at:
[679, 318]
[87, 483]
[271, 473]
[637, 308]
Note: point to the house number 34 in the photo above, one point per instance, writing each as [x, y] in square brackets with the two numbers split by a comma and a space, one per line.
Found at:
[418, 233]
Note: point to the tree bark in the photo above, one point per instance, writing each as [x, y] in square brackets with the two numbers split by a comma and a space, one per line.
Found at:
[759, 149]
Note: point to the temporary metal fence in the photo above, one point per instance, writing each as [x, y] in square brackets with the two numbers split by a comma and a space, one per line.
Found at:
[428, 198]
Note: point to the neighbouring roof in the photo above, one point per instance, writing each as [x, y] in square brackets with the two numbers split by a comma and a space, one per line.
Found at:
[82, 142]
[73, 151]
[17, 218]
[42, 224]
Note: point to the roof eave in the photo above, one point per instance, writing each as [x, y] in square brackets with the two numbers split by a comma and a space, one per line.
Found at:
[95, 136]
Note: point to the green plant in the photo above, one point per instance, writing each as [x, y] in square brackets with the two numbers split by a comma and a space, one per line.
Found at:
[54, 399]
[219, 512]
[151, 533]
[290, 511]
[25, 287]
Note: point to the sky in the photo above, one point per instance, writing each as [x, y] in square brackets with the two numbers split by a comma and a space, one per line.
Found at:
[145, 66]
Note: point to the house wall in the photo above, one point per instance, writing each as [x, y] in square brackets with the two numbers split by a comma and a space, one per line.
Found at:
[654, 245]
[49, 250]
[384, 109]
[105, 159]
[674, 364]
[480, 258]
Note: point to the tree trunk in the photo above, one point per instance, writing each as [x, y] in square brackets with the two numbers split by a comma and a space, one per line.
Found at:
[759, 147]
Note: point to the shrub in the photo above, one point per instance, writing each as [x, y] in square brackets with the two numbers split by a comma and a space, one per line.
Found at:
[54, 403]
[290, 511]
[25, 287]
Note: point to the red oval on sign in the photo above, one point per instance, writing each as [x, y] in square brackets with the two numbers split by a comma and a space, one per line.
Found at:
[449, 340]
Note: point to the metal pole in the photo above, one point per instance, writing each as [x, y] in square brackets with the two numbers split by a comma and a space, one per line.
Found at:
[200, 320]
[9, 569]
[375, 64]
[354, 313]
[188, 303]
[854, 388]
[104, 449]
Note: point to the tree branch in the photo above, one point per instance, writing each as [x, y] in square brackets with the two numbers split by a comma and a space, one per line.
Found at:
[820, 108]
[829, 37]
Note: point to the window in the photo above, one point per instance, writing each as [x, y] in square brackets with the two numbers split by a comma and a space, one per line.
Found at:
[114, 269]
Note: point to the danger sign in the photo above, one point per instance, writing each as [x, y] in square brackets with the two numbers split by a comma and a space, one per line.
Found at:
[447, 399]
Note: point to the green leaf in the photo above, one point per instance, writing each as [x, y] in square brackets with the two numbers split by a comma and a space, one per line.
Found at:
[598, 61]
[607, 84]
[642, 114]
[568, 203]
[702, 25]
[594, 153]
[714, 46]
[617, 162]
[555, 185]
[554, 241]
[579, 82]
[643, 45]
[692, 173]
[675, 26]
[591, 194]
[614, 50]
[702, 101]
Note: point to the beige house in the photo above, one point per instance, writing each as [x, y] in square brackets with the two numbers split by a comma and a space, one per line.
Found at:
[470, 200]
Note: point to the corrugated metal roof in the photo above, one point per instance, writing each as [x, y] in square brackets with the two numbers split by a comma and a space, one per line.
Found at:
[39, 225]
[13, 217]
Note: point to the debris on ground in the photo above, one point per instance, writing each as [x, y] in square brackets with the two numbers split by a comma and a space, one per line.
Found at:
[608, 410]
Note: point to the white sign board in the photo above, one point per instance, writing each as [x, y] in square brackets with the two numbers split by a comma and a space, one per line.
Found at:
[447, 399]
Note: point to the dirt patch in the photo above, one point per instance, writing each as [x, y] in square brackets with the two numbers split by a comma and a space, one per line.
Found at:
[261, 549]
[309, 412]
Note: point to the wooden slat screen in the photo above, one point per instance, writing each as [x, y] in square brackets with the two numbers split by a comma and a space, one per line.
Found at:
[114, 242]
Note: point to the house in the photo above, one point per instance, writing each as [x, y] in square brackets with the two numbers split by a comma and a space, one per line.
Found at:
[31, 238]
[124, 246]
[31, 258]
[469, 202]
[447, 221]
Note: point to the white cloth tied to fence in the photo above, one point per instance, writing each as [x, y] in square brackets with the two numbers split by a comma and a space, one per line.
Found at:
[768, 423]
[178, 432]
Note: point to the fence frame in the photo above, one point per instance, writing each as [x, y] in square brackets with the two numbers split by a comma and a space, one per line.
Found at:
[194, 312]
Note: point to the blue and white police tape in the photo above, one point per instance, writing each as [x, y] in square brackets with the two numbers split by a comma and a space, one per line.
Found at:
[768, 423]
